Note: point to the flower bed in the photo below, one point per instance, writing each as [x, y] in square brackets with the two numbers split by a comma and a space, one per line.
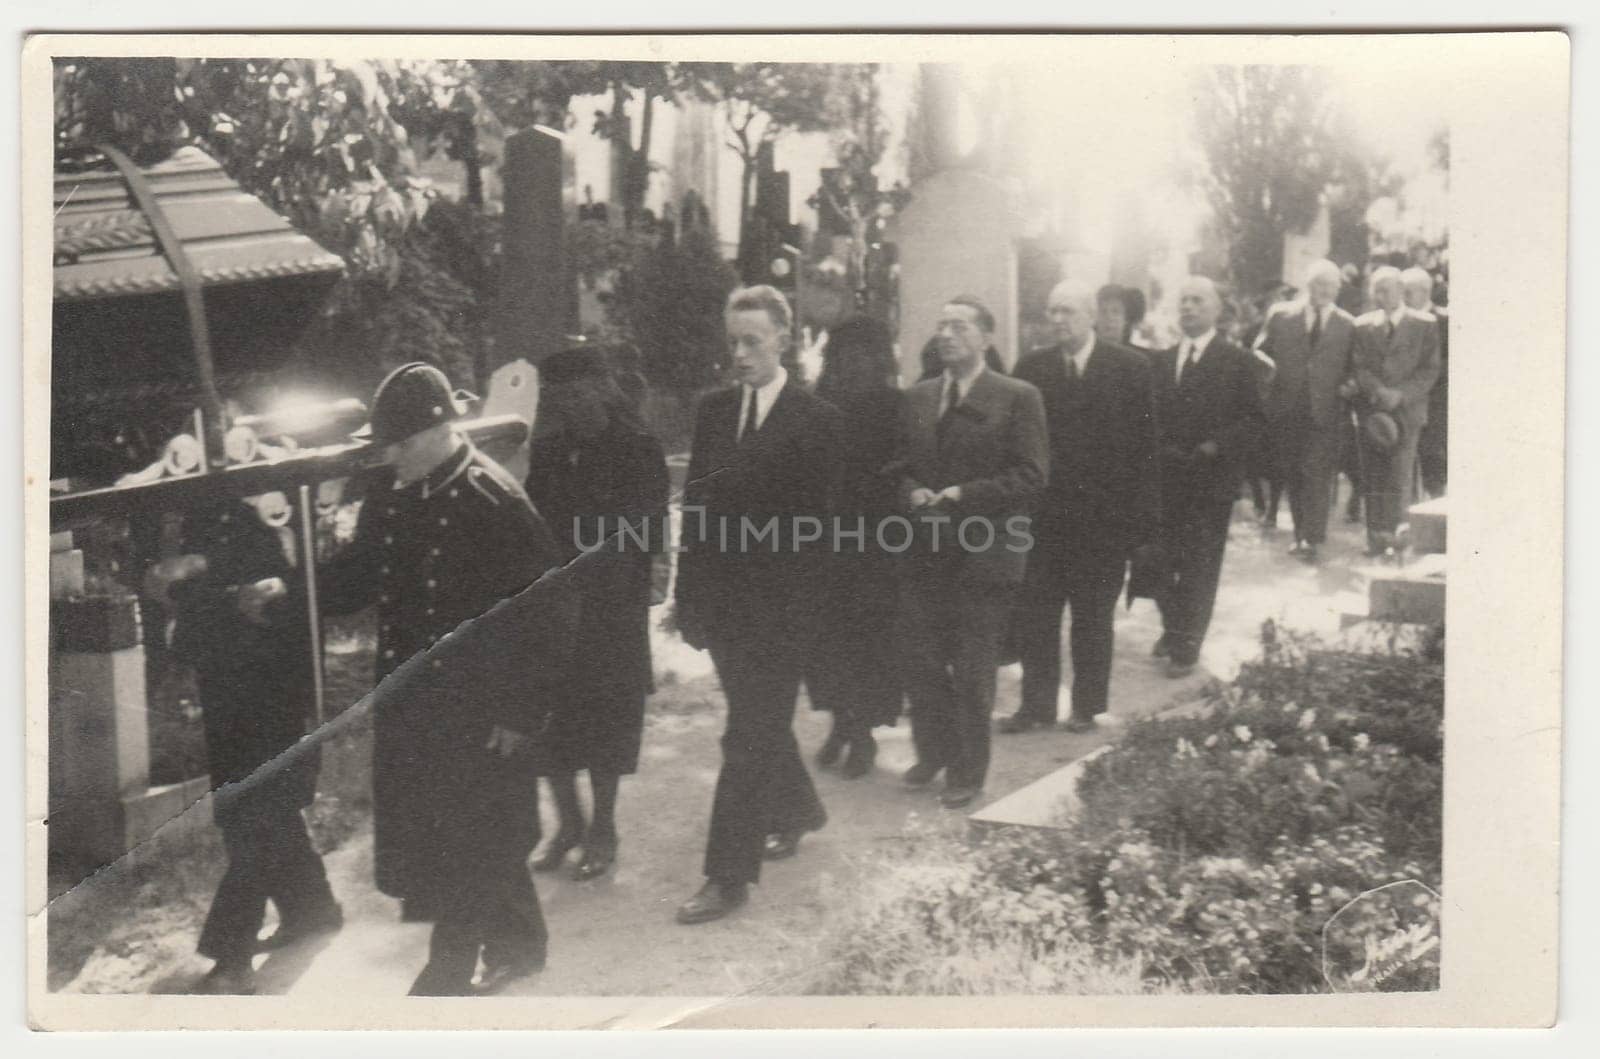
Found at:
[1284, 840]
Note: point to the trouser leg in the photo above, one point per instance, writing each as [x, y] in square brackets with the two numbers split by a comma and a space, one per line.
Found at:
[1199, 570]
[1318, 460]
[1380, 476]
[925, 639]
[1094, 587]
[980, 614]
[240, 904]
[1039, 618]
[763, 780]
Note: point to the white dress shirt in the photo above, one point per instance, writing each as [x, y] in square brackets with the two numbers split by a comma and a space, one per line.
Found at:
[1193, 347]
[1080, 357]
[963, 387]
[764, 396]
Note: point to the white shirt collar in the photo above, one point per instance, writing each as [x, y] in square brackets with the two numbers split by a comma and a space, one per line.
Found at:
[1197, 345]
[963, 386]
[1395, 317]
[1081, 355]
[766, 395]
[1313, 313]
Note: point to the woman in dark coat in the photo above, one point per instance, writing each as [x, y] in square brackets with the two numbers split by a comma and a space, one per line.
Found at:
[600, 481]
[854, 670]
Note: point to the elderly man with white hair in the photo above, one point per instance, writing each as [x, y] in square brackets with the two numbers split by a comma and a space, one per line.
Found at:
[1396, 362]
[1309, 340]
[1102, 503]
[1208, 411]
[1432, 443]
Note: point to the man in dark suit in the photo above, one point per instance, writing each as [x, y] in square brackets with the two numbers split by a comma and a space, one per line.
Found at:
[1396, 362]
[760, 474]
[1309, 341]
[1102, 503]
[974, 456]
[1433, 441]
[1208, 410]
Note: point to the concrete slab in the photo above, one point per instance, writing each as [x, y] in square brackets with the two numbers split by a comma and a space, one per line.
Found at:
[1428, 524]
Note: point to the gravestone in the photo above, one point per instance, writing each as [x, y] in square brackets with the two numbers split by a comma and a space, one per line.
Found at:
[958, 235]
[538, 302]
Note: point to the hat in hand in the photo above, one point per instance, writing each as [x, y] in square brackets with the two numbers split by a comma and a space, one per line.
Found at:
[413, 398]
[1382, 430]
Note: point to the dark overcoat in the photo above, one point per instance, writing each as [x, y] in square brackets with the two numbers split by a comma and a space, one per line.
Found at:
[254, 681]
[735, 581]
[605, 500]
[463, 646]
[854, 666]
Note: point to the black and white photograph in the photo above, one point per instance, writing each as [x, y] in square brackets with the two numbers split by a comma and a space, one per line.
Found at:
[883, 523]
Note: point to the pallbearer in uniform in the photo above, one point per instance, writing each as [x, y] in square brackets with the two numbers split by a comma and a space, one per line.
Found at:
[755, 513]
[600, 481]
[251, 652]
[445, 534]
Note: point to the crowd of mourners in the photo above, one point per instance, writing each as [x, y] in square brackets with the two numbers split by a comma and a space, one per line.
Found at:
[877, 545]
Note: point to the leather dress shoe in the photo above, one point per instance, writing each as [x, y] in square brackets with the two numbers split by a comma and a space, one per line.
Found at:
[714, 901]
[327, 920]
[960, 797]
[599, 854]
[921, 774]
[434, 982]
[863, 755]
[496, 977]
[555, 854]
[781, 845]
[829, 752]
[232, 978]
[1020, 722]
[1080, 724]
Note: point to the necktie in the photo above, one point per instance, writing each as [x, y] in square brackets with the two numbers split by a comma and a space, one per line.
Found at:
[1316, 328]
[1185, 361]
[747, 428]
[952, 397]
[1388, 327]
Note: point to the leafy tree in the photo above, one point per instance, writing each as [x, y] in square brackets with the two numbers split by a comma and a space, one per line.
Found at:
[334, 145]
[760, 102]
[676, 303]
[1273, 146]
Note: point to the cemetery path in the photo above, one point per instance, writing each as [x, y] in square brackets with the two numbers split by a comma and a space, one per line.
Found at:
[616, 937]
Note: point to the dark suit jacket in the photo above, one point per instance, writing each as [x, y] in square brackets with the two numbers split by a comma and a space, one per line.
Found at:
[996, 449]
[749, 583]
[1105, 479]
[1322, 370]
[1218, 401]
[1402, 367]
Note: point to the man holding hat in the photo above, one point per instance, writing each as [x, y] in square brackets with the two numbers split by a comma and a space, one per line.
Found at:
[445, 535]
[1396, 362]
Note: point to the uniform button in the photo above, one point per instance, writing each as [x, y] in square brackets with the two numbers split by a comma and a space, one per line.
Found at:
[391, 511]
[444, 521]
[383, 599]
[432, 583]
[388, 538]
[430, 610]
[433, 551]
[389, 653]
[455, 493]
[438, 663]
[385, 569]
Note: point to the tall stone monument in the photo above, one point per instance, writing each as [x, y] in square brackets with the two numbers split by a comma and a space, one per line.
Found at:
[538, 301]
[958, 234]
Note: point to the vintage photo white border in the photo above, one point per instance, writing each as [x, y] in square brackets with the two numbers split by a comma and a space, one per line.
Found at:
[1508, 226]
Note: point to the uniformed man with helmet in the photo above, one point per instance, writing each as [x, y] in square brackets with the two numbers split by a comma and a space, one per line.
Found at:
[444, 535]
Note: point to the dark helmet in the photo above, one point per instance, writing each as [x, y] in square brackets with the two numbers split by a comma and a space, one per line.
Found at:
[411, 399]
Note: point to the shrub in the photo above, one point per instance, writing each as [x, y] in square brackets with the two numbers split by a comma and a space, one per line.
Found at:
[1284, 840]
